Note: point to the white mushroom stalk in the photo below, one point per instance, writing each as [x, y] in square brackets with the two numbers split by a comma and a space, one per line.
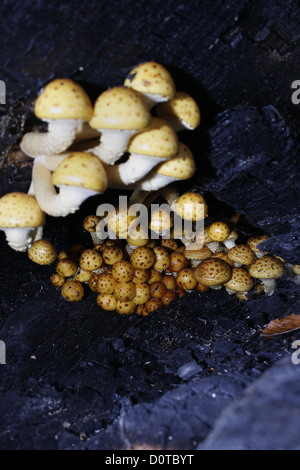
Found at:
[148, 148]
[78, 176]
[20, 239]
[119, 114]
[65, 106]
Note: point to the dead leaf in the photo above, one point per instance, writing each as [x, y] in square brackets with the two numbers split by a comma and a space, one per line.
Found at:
[283, 325]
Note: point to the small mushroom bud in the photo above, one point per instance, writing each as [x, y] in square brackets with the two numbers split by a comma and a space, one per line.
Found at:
[140, 276]
[169, 244]
[93, 282]
[163, 259]
[143, 258]
[153, 304]
[89, 224]
[83, 276]
[180, 292]
[218, 231]
[106, 283]
[57, 280]
[169, 297]
[154, 276]
[62, 254]
[186, 280]
[72, 291]
[125, 291]
[90, 260]
[123, 271]
[42, 252]
[125, 307]
[107, 302]
[142, 294]
[112, 254]
[178, 262]
[169, 281]
[66, 267]
[157, 289]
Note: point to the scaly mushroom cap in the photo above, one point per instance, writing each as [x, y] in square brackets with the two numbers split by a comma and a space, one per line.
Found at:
[63, 99]
[182, 166]
[212, 272]
[151, 77]
[42, 252]
[182, 107]
[200, 254]
[191, 206]
[158, 140]
[255, 240]
[241, 254]
[266, 267]
[240, 280]
[83, 170]
[120, 108]
[18, 209]
[218, 231]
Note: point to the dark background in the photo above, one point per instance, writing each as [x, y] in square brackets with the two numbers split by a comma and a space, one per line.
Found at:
[79, 378]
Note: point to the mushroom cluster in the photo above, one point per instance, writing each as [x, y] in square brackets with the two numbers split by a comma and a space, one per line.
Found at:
[75, 158]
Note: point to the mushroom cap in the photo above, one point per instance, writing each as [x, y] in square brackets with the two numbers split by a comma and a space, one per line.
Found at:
[142, 257]
[83, 170]
[161, 220]
[183, 107]
[42, 252]
[201, 253]
[212, 272]
[19, 209]
[218, 231]
[191, 206]
[266, 267]
[151, 77]
[158, 140]
[119, 222]
[255, 240]
[241, 254]
[120, 108]
[182, 166]
[63, 99]
[240, 280]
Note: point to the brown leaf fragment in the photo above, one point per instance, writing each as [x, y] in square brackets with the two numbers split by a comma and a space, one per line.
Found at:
[283, 325]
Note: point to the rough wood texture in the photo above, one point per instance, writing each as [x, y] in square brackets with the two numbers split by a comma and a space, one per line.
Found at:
[78, 378]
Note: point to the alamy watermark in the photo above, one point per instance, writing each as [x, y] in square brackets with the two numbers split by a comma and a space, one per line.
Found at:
[157, 221]
[296, 354]
[2, 353]
[296, 94]
[2, 92]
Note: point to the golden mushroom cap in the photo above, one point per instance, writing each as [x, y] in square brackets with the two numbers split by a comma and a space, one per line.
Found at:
[212, 272]
[201, 253]
[125, 307]
[107, 302]
[112, 254]
[142, 294]
[119, 222]
[42, 252]
[241, 254]
[158, 140]
[125, 291]
[18, 209]
[123, 271]
[90, 259]
[106, 283]
[218, 231]
[182, 107]
[267, 267]
[63, 99]
[163, 259]
[186, 279]
[191, 206]
[240, 280]
[120, 108]
[151, 77]
[83, 170]
[142, 257]
[255, 240]
[72, 291]
[182, 166]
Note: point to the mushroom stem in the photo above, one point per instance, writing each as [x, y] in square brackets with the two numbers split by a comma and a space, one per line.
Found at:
[21, 238]
[134, 169]
[113, 144]
[269, 285]
[60, 135]
[67, 201]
